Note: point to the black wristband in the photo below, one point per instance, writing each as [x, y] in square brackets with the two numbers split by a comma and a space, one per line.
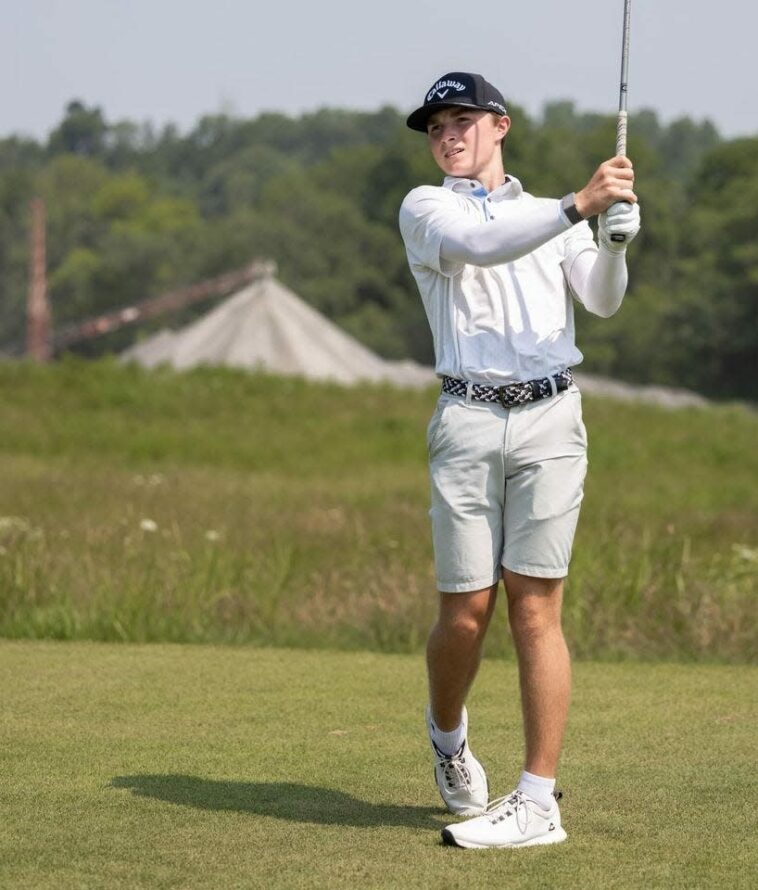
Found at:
[568, 206]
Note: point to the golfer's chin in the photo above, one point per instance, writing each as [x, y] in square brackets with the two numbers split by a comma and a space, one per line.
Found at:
[455, 167]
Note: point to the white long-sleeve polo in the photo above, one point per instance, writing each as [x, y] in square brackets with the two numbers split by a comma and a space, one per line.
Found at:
[497, 273]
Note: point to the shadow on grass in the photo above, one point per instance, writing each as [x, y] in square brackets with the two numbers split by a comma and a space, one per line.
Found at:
[282, 800]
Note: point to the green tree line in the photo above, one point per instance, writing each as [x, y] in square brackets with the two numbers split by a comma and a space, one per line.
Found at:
[134, 210]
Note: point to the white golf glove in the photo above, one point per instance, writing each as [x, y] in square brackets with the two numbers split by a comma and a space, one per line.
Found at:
[619, 219]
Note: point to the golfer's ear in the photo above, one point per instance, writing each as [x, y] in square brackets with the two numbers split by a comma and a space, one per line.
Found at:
[502, 125]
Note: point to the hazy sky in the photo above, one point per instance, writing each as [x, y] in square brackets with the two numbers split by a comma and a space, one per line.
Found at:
[174, 60]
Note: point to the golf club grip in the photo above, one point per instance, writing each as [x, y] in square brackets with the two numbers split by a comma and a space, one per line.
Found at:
[621, 134]
[618, 238]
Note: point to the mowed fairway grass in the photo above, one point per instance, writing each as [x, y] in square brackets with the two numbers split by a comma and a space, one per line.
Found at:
[182, 766]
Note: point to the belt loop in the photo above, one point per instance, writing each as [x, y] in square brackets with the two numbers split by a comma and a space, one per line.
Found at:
[553, 386]
[469, 391]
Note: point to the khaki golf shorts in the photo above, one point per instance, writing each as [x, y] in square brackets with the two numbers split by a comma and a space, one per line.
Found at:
[507, 485]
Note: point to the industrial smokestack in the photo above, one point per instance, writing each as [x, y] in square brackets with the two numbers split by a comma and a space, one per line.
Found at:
[38, 339]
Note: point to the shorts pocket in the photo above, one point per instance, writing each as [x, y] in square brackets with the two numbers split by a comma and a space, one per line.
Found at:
[436, 425]
[576, 402]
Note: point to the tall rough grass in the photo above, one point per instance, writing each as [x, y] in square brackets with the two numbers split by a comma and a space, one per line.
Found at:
[220, 506]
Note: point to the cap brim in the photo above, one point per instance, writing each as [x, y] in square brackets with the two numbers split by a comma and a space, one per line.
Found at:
[418, 119]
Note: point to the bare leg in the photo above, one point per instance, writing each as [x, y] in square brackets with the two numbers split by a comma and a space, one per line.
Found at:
[534, 610]
[454, 651]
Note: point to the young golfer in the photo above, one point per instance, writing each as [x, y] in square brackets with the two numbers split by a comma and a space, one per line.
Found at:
[498, 271]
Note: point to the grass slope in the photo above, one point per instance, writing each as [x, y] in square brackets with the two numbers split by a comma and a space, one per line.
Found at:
[128, 766]
[227, 507]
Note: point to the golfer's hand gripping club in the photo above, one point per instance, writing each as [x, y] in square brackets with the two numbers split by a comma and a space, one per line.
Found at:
[618, 225]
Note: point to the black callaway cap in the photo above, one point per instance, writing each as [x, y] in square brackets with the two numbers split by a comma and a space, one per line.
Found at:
[457, 88]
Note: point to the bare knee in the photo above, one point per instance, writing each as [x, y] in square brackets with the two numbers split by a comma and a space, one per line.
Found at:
[534, 604]
[466, 616]
[464, 627]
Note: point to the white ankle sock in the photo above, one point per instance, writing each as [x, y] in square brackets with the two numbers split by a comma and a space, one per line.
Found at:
[538, 788]
[448, 742]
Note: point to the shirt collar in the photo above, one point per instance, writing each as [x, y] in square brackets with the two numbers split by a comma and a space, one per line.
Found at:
[511, 188]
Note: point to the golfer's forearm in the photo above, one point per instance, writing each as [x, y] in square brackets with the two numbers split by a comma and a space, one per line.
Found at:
[598, 279]
[518, 232]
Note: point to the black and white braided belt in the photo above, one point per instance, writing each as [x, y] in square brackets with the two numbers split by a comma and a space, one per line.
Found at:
[512, 394]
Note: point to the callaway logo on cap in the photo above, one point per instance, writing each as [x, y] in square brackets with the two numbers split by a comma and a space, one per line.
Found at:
[443, 87]
[457, 88]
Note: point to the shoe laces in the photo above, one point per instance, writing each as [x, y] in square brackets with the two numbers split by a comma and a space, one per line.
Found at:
[454, 769]
[514, 804]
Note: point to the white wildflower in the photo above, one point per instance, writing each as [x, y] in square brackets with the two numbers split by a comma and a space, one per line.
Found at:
[13, 524]
[742, 551]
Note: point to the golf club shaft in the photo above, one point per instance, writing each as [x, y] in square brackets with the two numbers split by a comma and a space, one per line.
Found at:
[622, 118]
[621, 123]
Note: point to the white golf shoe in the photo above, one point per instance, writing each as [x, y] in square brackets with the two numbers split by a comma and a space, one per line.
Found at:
[460, 777]
[513, 821]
